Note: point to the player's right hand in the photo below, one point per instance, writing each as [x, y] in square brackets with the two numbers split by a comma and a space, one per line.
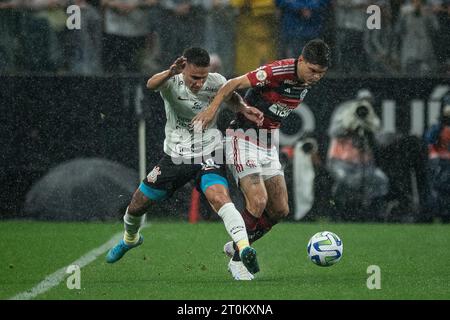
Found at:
[178, 66]
[253, 114]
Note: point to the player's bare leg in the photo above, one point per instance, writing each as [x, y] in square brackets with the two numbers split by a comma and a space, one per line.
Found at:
[220, 201]
[139, 204]
[277, 204]
[276, 209]
[256, 197]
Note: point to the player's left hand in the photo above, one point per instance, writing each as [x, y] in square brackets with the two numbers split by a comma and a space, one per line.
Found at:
[253, 114]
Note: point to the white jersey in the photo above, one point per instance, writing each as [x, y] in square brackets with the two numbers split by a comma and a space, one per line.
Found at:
[182, 105]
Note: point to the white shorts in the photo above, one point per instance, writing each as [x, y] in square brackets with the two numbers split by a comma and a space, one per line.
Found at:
[245, 158]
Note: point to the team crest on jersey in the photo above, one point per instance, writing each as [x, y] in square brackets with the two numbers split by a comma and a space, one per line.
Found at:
[197, 106]
[303, 94]
[261, 75]
[153, 175]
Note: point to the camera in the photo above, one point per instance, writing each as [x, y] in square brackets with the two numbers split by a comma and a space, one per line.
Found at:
[362, 112]
[309, 145]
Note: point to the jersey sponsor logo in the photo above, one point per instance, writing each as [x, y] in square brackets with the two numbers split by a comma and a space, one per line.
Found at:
[211, 89]
[153, 175]
[183, 123]
[181, 150]
[261, 75]
[280, 110]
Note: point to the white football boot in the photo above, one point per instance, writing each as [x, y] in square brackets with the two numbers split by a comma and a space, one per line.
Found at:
[239, 271]
[228, 249]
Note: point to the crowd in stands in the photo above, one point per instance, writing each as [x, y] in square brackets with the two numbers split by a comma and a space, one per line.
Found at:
[144, 36]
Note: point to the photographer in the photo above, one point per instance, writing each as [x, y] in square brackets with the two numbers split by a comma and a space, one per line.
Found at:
[358, 182]
[438, 140]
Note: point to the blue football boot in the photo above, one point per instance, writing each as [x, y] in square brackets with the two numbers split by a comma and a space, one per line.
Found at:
[248, 258]
[118, 251]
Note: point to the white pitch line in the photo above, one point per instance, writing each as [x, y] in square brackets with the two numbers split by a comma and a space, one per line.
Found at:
[58, 276]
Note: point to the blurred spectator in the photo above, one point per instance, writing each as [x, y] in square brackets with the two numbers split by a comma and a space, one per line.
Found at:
[219, 38]
[415, 28]
[378, 43]
[350, 29]
[301, 21]
[44, 35]
[215, 63]
[125, 27]
[86, 43]
[358, 182]
[59, 44]
[403, 158]
[151, 62]
[183, 27]
[438, 140]
[8, 23]
[256, 36]
[442, 39]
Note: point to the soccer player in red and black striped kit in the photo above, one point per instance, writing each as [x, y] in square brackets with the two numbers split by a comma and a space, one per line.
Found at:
[276, 89]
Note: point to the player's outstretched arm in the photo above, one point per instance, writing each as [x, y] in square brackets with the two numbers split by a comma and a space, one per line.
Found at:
[157, 80]
[224, 94]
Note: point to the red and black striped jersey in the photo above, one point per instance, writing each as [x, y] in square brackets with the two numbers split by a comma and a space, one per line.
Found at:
[276, 91]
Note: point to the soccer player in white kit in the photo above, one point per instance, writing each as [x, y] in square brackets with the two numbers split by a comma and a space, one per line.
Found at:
[187, 87]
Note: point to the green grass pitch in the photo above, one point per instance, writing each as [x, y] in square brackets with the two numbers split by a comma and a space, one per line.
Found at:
[184, 261]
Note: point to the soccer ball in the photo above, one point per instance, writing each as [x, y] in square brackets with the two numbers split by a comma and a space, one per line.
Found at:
[325, 248]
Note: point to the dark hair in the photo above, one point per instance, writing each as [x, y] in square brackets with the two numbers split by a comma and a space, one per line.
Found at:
[197, 56]
[317, 52]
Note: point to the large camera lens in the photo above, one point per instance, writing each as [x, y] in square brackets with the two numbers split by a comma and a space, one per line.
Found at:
[362, 112]
[307, 147]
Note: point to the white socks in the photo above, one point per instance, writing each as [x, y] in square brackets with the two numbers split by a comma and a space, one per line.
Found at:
[132, 225]
[234, 224]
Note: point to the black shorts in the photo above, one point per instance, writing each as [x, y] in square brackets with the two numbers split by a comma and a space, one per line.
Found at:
[166, 177]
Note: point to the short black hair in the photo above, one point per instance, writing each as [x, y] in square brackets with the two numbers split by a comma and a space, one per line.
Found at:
[317, 52]
[197, 56]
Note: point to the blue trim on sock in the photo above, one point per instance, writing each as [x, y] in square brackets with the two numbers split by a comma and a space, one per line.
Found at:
[211, 179]
[152, 193]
